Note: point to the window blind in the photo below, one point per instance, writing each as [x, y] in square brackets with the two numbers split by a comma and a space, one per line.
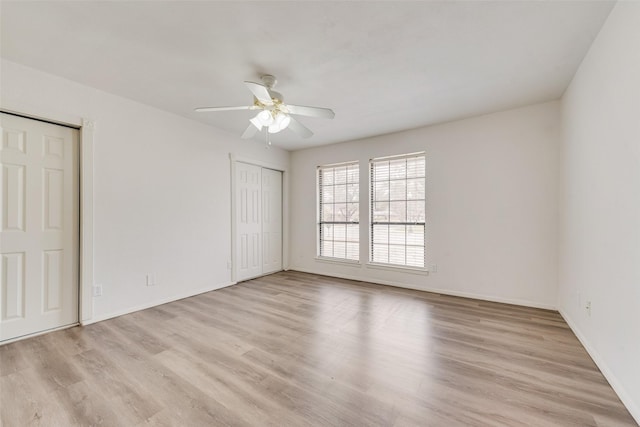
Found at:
[339, 211]
[398, 206]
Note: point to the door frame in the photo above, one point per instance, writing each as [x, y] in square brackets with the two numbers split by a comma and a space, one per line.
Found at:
[86, 128]
[285, 209]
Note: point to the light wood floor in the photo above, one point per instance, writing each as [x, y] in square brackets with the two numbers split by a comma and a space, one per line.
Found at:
[294, 349]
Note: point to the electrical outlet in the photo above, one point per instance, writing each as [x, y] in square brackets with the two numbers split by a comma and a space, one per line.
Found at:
[97, 290]
[151, 280]
[588, 308]
[433, 268]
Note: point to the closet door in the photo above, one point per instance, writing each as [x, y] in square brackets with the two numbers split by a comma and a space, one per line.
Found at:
[38, 226]
[258, 221]
[271, 221]
[248, 255]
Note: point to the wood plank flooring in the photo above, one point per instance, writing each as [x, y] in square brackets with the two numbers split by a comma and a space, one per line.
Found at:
[294, 349]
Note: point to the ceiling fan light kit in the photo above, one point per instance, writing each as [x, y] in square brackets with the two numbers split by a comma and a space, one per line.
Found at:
[274, 115]
[281, 121]
[263, 118]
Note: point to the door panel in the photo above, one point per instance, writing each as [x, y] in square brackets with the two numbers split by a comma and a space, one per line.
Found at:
[272, 221]
[39, 226]
[13, 197]
[53, 285]
[248, 227]
[12, 286]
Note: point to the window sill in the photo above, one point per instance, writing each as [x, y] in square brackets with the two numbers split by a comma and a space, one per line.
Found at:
[340, 261]
[398, 268]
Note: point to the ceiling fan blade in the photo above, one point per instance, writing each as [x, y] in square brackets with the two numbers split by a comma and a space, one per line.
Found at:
[260, 92]
[250, 132]
[205, 109]
[301, 110]
[299, 128]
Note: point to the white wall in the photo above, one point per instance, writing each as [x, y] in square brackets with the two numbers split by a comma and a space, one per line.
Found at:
[161, 189]
[492, 205]
[600, 203]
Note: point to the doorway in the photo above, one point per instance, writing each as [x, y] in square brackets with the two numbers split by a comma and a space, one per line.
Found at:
[39, 228]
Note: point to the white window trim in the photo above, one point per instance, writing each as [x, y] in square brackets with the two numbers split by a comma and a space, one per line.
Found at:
[343, 261]
[396, 267]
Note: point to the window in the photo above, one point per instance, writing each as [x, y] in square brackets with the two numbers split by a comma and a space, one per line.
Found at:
[339, 211]
[398, 210]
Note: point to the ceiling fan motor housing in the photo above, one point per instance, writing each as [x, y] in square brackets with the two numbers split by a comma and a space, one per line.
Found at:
[269, 80]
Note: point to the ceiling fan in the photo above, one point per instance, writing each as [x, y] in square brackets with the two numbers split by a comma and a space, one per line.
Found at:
[274, 115]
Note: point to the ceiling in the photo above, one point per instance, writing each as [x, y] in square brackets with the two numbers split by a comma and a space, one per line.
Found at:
[381, 66]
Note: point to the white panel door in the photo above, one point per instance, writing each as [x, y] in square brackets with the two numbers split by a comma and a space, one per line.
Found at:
[39, 226]
[248, 221]
[271, 221]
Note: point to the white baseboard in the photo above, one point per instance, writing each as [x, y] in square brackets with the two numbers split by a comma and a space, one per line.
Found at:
[154, 303]
[482, 297]
[617, 386]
